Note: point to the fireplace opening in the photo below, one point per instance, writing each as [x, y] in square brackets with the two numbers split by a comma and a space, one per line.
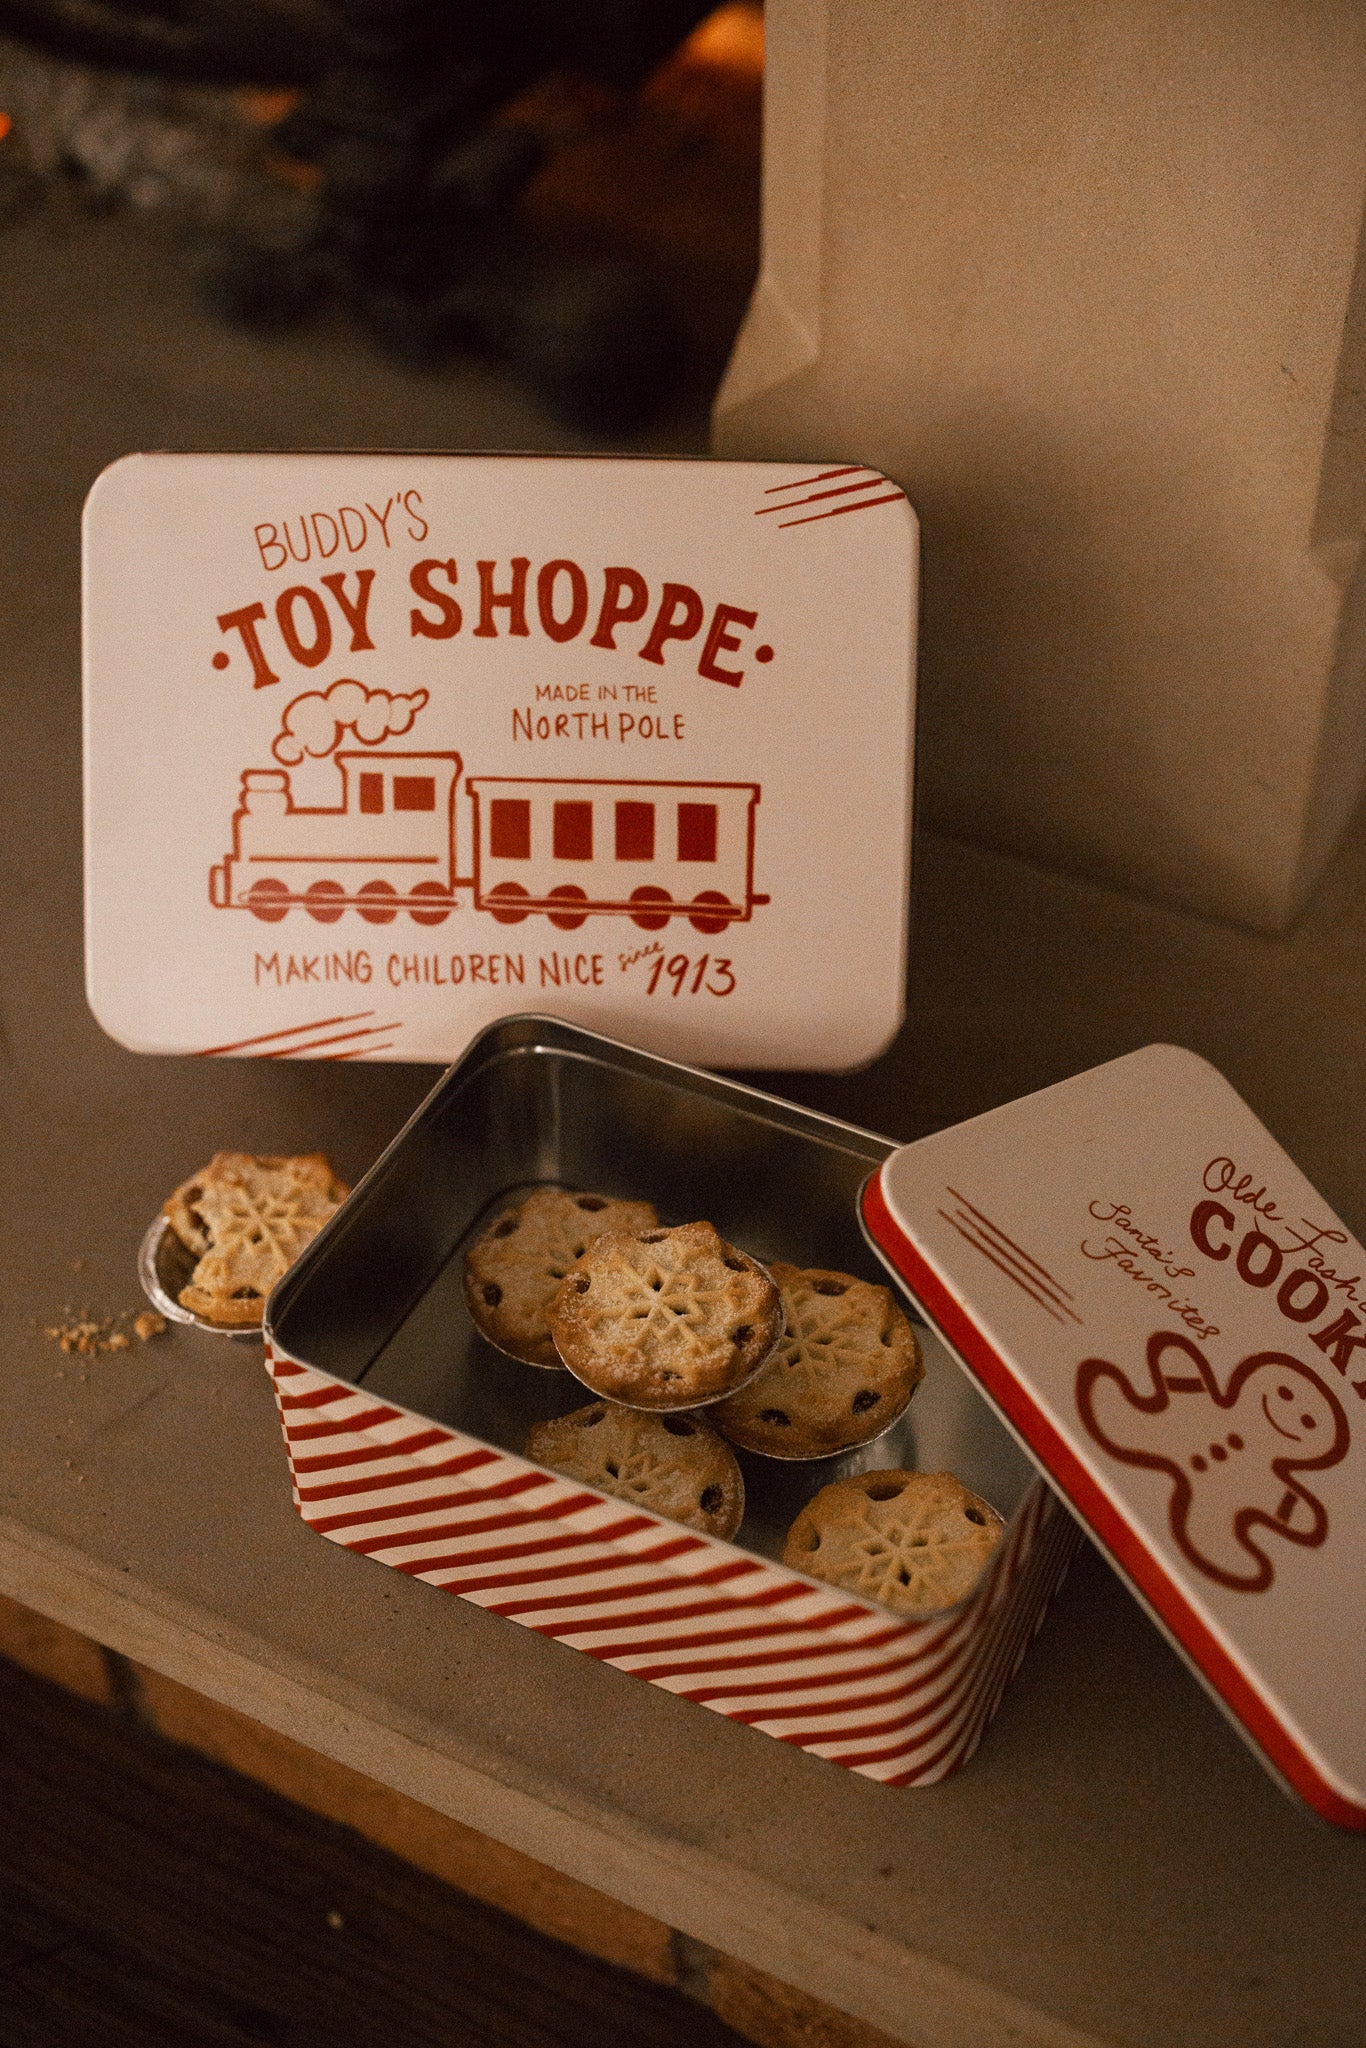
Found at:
[571, 190]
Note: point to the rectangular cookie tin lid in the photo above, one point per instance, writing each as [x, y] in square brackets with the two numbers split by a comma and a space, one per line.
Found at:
[1174, 1324]
[379, 748]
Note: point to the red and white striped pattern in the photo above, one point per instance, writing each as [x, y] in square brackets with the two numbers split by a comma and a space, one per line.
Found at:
[904, 1702]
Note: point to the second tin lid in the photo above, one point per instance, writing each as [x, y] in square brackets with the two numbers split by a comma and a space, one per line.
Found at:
[1173, 1322]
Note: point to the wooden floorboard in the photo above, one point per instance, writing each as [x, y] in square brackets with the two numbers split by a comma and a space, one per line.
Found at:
[150, 1898]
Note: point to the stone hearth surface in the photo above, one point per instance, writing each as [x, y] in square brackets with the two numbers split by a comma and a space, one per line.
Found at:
[1112, 1866]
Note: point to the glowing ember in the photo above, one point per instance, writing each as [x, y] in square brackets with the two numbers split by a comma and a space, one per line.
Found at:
[731, 39]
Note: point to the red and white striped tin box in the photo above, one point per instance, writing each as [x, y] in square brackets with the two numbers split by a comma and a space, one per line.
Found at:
[1154, 1301]
[403, 1429]
[903, 1702]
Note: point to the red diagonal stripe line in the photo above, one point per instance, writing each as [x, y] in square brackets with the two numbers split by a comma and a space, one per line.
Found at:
[962, 1665]
[863, 505]
[498, 1553]
[687, 1611]
[667, 1582]
[466, 1496]
[372, 1482]
[898, 1631]
[994, 1677]
[545, 1573]
[953, 1698]
[1004, 1250]
[321, 1396]
[959, 1676]
[949, 1700]
[591, 1625]
[747, 1632]
[291, 1031]
[344, 1425]
[738, 1659]
[392, 1539]
[577, 1568]
[361, 1052]
[844, 490]
[852, 469]
[733, 1661]
[997, 1231]
[916, 1679]
[289, 1052]
[960, 1697]
[853, 1702]
[764, 1688]
[402, 1447]
[582, 1567]
[475, 1496]
[1034, 1292]
[770, 1688]
[953, 1717]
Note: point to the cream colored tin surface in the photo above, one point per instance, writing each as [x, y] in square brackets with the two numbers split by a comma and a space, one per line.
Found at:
[1174, 1324]
[382, 747]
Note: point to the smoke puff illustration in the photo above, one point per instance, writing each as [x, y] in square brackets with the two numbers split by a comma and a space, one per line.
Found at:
[316, 723]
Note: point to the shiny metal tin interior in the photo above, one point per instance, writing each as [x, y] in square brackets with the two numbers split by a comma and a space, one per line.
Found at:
[377, 1298]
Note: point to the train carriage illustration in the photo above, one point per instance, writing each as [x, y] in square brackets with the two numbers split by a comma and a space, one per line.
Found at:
[564, 848]
[649, 851]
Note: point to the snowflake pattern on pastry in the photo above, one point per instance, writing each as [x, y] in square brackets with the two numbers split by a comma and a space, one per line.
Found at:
[916, 1542]
[665, 1318]
[514, 1270]
[249, 1216]
[843, 1371]
[671, 1464]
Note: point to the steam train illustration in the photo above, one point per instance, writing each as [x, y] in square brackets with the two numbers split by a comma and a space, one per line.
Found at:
[564, 848]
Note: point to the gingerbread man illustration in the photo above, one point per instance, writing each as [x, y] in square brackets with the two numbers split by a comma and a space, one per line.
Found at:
[1233, 1453]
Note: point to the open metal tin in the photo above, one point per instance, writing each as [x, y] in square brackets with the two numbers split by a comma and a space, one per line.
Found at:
[405, 1429]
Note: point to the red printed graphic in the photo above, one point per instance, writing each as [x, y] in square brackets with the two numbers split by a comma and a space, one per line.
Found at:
[564, 848]
[389, 845]
[1010, 1258]
[1231, 1452]
[649, 851]
[855, 496]
[325, 1038]
[316, 723]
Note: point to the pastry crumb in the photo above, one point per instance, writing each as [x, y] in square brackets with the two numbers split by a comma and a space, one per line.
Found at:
[88, 1335]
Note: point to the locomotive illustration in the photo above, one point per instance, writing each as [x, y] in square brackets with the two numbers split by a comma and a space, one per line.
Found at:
[564, 848]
